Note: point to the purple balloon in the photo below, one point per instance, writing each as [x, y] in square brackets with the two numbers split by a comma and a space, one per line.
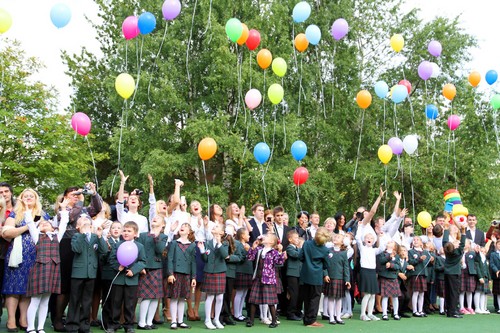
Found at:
[339, 28]
[425, 70]
[127, 253]
[435, 48]
[396, 145]
[171, 9]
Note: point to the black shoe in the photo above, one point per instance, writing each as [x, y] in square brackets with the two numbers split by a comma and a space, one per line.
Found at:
[95, 323]
[240, 319]
[147, 328]
[325, 317]
[340, 322]
[273, 325]
[442, 313]
[228, 321]
[404, 315]
[385, 317]
[333, 322]
[153, 327]
[249, 323]
[456, 316]
[158, 322]
[294, 317]
[15, 329]
[129, 330]
[417, 314]
[183, 325]
[396, 317]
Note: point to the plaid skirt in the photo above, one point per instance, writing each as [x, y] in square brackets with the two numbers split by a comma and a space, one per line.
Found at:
[418, 283]
[263, 293]
[44, 278]
[214, 283]
[335, 289]
[440, 291]
[368, 281]
[468, 282]
[181, 288]
[389, 287]
[243, 281]
[482, 287]
[151, 284]
[496, 287]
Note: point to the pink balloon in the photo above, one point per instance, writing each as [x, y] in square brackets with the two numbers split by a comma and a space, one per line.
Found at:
[130, 27]
[396, 145]
[453, 122]
[253, 98]
[81, 123]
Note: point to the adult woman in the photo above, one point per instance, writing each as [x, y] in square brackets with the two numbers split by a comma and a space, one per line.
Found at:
[215, 213]
[302, 222]
[20, 256]
[236, 217]
[340, 219]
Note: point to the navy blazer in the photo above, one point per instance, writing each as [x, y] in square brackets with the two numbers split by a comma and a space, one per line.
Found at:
[255, 230]
[478, 237]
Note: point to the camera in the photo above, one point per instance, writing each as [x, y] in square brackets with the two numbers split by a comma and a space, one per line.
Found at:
[359, 215]
[86, 191]
[138, 192]
[495, 223]
[268, 219]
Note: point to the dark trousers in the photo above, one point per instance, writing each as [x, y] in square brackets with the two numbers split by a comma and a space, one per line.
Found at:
[228, 295]
[106, 304]
[312, 295]
[293, 291]
[282, 299]
[126, 296]
[80, 303]
[452, 293]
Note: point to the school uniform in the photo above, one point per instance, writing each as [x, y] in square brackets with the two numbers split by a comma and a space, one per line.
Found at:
[452, 273]
[293, 267]
[107, 275]
[338, 272]
[231, 263]
[388, 277]
[151, 284]
[45, 276]
[256, 232]
[439, 275]
[244, 270]
[482, 273]
[418, 277]
[469, 272]
[215, 267]
[181, 261]
[264, 286]
[403, 287]
[494, 268]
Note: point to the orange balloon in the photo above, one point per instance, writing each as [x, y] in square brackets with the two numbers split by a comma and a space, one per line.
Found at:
[301, 42]
[207, 148]
[474, 78]
[449, 91]
[264, 58]
[364, 99]
[244, 35]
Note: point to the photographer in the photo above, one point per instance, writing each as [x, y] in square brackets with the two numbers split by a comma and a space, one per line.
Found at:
[352, 225]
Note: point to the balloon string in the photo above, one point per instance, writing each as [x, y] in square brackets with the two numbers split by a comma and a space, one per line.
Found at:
[239, 61]
[300, 85]
[209, 21]
[481, 115]
[272, 149]
[297, 191]
[399, 166]
[107, 296]
[403, 184]
[447, 156]
[93, 162]
[119, 149]
[385, 186]
[139, 65]
[189, 41]
[359, 144]
[250, 69]
[206, 185]
[455, 160]
[155, 64]
[264, 184]
[283, 113]
[246, 144]
[293, 47]
[126, 57]
[383, 129]
[412, 193]
[395, 121]
[263, 110]
[320, 72]
[412, 113]
[333, 76]
[495, 127]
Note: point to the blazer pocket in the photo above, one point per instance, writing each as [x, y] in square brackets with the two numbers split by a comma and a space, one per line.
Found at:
[43, 260]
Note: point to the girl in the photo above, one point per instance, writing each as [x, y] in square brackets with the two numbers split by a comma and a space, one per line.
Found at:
[236, 217]
[215, 214]
[329, 224]
[403, 280]
[45, 276]
[480, 298]
[439, 281]
[340, 222]
[264, 290]
[469, 275]
[495, 270]
[182, 270]
[134, 204]
[244, 271]
[419, 259]
[388, 265]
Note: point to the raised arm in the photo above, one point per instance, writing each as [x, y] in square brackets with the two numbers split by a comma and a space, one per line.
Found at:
[374, 208]
[63, 224]
[152, 199]
[120, 205]
[176, 197]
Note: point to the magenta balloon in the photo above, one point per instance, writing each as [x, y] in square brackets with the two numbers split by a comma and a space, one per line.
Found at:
[425, 70]
[435, 48]
[339, 29]
[130, 27]
[127, 253]
[81, 123]
[171, 9]
[453, 122]
[396, 145]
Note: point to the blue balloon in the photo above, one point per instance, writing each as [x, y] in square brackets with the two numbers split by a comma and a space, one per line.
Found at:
[381, 89]
[261, 152]
[60, 14]
[299, 150]
[431, 111]
[146, 23]
[399, 93]
[491, 76]
[313, 34]
[301, 12]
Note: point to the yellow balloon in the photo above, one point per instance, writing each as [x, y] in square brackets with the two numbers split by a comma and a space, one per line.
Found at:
[275, 93]
[424, 219]
[397, 42]
[385, 154]
[125, 85]
[5, 21]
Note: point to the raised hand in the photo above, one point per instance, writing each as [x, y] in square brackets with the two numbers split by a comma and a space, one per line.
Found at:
[123, 178]
[397, 195]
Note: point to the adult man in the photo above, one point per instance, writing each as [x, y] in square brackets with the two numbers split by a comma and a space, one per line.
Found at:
[440, 219]
[259, 227]
[311, 230]
[281, 231]
[477, 236]
[352, 225]
[6, 193]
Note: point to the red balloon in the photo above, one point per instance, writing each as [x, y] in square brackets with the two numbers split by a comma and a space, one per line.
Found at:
[407, 84]
[300, 176]
[253, 39]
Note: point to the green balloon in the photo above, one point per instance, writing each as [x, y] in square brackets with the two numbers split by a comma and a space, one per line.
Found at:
[275, 93]
[234, 29]
[279, 67]
[495, 102]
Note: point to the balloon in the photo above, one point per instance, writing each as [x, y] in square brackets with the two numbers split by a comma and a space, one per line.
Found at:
[127, 253]
[253, 39]
[244, 35]
[396, 145]
[410, 143]
[491, 77]
[265, 58]
[5, 21]
[275, 93]
[279, 67]
[207, 148]
[425, 70]
[234, 29]
[299, 150]
[81, 123]
[300, 176]
[431, 111]
[436, 71]
[301, 12]
[399, 93]
[381, 89]
[474, 78]
[453, 122]
[385, 154]
[435, 48]
[495, 101]
[449, 91]
[313, 34]
[301, 42]
[364, 99]
[253, 98]
[407, 84]
[129, 27]
[397, 42]
[171, 9]
[146, 23]
[60, 14]
[125, 85]
[424, 219]
[339, 29]
[261, 152]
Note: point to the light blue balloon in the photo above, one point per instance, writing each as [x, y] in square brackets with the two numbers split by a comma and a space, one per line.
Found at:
[381, 89]
[146, 23]
[60, 15]
[313, 34]
[431, 111]
[261, 152]
[301, 12]
[399, 94]
[299, 150]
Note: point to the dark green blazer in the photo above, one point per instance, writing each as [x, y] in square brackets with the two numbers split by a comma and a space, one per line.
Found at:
[314, 262]
[215, 258]
[137, 266]
[419, 264]
[107, 272]
[391, 272]
[294, 264]
[234, 259]
[153, 247]
[85, 261]
[179, 261]
[452, 264]
[338, 266]
[471, 258]
[439, 268]
[245, 266]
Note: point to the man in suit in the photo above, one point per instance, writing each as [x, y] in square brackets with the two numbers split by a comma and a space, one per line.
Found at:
[258, 224]
[477, 236]
[281, 231]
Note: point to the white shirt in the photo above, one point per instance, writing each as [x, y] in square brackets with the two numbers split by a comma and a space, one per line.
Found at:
[279, 229]
[123, 217]
[368, 254]
[201, 234]
[312, 230]
[259, 225]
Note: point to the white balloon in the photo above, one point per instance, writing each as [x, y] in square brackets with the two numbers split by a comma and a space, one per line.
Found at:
[436, 71]
[410, 143]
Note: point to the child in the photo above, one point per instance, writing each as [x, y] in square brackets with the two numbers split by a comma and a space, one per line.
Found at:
[495, 270]
[403, 281]
[419, 258]
[125, 285]
[244, 271]
[480, 299]
[264, 289]
[150, 287]
[293, 268]
[469, 275]
[45, 276]
[336, 279]
[214, 253]
[388, 266]
[439, 279]
[182, 270]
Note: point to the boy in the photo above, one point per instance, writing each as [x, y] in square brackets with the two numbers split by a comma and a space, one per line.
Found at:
[293, 274]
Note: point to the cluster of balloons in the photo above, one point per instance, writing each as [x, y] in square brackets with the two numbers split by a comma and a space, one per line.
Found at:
[299, 151]
[396, 146]
[207, 148]
[398, 93]
[238, 33]
[127, 253]
[60, 15]
[81, 123]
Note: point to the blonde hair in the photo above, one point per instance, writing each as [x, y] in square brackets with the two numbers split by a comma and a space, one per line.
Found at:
[322, 236]
[330, 220]
[106, 209]
[157, 208]
[229, 211]
[20, 207]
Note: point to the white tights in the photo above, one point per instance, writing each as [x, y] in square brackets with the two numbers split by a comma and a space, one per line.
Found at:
[417, 301]
[208, 306]
[239, 300]
[177, 310]
[40, 303]
[462, 299]
[334, 308]
[147, 311]
[385, 304]
[367, 304]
